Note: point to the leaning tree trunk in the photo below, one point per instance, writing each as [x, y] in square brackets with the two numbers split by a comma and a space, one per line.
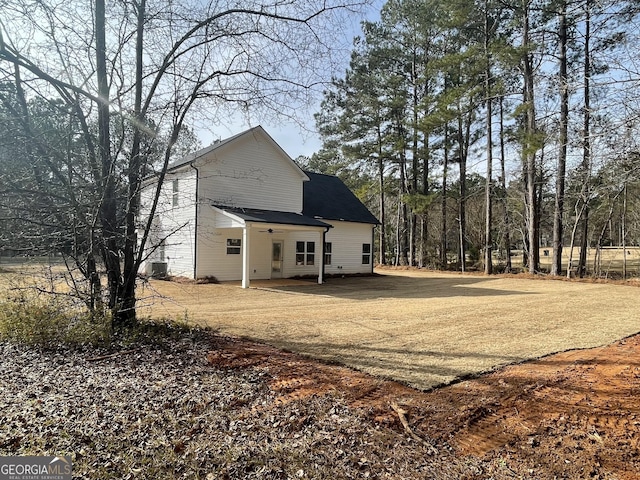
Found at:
[597, 261]
[574, 230]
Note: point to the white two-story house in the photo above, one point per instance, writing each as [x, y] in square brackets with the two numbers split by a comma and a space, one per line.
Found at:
[242, 209]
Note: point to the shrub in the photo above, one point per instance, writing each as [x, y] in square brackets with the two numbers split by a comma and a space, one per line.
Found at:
[52, 320]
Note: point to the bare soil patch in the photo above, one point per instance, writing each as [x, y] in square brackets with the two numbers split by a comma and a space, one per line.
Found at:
[571, 415]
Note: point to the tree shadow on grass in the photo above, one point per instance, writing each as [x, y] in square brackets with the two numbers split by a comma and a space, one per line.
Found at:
[392, 286]
[431, 368]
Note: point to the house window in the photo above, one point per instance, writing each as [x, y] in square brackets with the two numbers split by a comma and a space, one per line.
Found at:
[366, 253]
[327, 253]
[162, 250]
[233, 246]
[305, 253]
[176, 190]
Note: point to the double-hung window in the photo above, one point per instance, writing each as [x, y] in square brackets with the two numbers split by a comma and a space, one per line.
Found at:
[175, 193]
[366, 253]
[305, 253]
[234, 246]
[327, 253]
[162, 250]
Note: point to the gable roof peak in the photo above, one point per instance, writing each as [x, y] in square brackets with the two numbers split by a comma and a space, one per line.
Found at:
[258, 129]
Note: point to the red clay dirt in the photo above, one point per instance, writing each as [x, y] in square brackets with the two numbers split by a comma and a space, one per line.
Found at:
[571, 415]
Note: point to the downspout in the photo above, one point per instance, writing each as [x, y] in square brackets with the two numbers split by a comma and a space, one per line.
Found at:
[195, 239]
[324, 241]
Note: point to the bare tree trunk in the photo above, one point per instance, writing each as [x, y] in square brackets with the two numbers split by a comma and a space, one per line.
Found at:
[586, 156]
[556, 264]
[463, 139]
[488, 233]
[381, 233]
[128, 295]
[503, 179]
[530, 149]
[624, 231]
[597, 261]
[381, 229]
[584, 243]
[413, 236]
[425, 215]
[574, 230]
[412, 240]
[108, 208]
[403, 239]
[462, 220]
[398, 253]
[444, 263]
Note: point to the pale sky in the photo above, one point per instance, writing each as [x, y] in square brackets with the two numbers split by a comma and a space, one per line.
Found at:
[290, 136]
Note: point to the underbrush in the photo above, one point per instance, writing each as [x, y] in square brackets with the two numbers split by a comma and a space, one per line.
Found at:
[50, 320]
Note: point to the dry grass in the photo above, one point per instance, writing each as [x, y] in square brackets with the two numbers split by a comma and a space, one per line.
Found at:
[423, 328]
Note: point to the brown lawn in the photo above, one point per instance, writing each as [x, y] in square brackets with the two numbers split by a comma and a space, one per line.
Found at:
[422, 328]
[569, 415]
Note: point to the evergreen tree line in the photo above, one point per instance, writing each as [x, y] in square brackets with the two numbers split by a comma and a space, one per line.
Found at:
[476, 128]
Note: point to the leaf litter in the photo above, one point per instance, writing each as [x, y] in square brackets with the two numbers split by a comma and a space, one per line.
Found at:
[212, 407]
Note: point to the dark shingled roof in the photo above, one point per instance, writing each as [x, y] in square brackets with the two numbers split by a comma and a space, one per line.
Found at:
[271, 216]
[326, 197]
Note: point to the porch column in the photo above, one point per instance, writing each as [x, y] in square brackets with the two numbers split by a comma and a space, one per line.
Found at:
[245, 255]
[321, 256]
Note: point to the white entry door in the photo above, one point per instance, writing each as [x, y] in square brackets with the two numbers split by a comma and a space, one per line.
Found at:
[276, 259]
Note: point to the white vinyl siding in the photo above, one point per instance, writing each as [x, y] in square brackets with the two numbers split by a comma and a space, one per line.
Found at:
[346, 240]
[291, 267]
[173, 226]
[251, 172]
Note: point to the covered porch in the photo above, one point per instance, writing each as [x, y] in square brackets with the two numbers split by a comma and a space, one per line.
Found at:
[290, 238]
